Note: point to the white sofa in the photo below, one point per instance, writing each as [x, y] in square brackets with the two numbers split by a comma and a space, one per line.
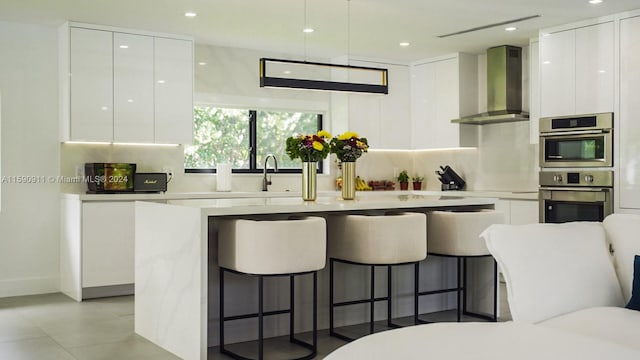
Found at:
[567, 286]
[573, 277]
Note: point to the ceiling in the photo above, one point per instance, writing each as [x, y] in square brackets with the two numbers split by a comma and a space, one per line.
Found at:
[359, 28]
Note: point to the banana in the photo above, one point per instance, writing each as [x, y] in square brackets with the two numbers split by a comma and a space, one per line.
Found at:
[362, 185]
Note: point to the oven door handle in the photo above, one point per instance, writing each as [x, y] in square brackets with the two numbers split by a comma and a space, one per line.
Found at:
[575, 132]
[584, 189]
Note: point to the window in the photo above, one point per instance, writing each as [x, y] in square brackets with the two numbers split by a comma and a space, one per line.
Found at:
[244, 137]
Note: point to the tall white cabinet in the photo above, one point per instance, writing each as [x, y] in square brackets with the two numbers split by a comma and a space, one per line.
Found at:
[628, 133]
[119, 85]
[577, 70]
[442, 89]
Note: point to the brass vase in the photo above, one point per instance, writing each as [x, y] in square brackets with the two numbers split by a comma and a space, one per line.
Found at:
[309, 177]
[349, 180]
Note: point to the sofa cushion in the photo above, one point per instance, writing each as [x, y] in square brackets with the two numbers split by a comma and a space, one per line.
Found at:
[622, 232]
[634, 303]
[613, 324]
[554, 269]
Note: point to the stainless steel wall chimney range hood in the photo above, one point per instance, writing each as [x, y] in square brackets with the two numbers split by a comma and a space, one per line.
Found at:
[504, 88]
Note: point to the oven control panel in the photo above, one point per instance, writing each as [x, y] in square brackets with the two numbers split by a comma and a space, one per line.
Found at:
[602, 178]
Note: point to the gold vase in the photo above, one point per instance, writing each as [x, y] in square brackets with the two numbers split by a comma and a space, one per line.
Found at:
[309, 176]
[349, 180]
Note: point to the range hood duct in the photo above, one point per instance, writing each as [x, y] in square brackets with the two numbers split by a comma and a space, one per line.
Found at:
[504, 88]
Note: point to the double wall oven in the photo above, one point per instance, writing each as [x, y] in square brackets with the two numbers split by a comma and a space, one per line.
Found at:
[576, 168]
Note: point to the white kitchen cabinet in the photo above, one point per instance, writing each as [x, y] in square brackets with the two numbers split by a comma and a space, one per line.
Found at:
[96, 248]
[133, 88]
[107, 243]
[518, 212]
[628, 165]
[128, 86]
[534, 91]
[173, 91]
[442, 89]
[383, 119]
[577, 70]
[91, 85]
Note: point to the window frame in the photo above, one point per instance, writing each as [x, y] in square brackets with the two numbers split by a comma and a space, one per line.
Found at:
[253, 151]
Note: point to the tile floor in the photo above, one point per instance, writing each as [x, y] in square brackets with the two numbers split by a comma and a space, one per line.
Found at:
[54, 327]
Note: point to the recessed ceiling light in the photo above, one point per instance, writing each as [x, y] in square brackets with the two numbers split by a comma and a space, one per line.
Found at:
[202, 63]
[160, 81]
[308, 30]
[124, 46]
[594, 2]
[190, 14]
[286, 72]
[602, 71]
[510, 28]
[546, 62]
[405, 43]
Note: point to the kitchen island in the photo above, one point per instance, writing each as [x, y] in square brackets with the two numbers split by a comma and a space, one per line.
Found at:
[176, 277]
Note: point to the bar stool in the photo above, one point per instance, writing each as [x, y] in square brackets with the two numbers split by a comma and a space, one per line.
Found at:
[374, 240]
[265, 248]
[456, 235]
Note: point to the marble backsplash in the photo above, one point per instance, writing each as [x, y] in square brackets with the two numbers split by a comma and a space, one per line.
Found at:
[503, 162]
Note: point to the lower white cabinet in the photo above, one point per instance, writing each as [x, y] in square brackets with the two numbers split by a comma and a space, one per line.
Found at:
[97, 248]
[107, 243]
[518, 212]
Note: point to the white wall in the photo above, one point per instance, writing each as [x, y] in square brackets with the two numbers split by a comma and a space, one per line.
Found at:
[29, 217]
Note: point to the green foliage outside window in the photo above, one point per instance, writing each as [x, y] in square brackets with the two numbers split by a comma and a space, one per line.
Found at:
[223, 135]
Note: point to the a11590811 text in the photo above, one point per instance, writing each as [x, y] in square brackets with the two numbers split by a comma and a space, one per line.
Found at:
[43, 179]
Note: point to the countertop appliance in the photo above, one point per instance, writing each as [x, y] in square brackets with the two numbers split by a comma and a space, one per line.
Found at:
[109, 178]
[150, 182]
[504, 88]
[450, 179]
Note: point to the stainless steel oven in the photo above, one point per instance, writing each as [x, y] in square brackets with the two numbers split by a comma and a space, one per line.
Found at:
[580, 195]
[577, 141]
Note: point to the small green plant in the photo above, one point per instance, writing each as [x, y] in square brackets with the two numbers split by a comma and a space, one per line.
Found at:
[417, 178]
[403, 177]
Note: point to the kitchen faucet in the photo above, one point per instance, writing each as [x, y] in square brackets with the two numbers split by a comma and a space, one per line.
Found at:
[266, 182]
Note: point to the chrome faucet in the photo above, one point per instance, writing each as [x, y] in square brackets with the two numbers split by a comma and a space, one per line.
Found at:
[266, 182]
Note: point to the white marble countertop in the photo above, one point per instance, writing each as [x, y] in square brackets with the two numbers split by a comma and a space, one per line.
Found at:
[280, 205]
[515, 195]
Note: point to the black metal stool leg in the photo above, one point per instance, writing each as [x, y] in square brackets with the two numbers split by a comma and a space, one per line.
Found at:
[372, 298]
[416, 291]
[315, 311]
[495, 290]
[331, 297]
[291, 306]
[389, 307]
[260, 318]
[222, 309]
[459, 293]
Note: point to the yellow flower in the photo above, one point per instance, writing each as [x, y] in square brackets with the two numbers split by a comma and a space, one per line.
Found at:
[361, 145]
[318, 145]
[324, 134]
[347, 135]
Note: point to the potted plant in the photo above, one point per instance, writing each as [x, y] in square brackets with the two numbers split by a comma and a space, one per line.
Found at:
[310, 149]
[348, 147]
[417, 182]
[403, 179]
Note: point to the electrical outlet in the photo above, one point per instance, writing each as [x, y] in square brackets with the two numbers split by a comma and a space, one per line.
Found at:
[80, 171]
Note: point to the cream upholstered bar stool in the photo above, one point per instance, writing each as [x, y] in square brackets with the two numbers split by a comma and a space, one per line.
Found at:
[456, 235]
[265, 248]
[374, 240]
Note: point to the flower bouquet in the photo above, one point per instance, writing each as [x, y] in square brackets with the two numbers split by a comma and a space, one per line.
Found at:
[310, 149]
[348, 147]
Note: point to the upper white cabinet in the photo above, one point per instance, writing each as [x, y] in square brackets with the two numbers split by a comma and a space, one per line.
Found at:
[577, 70]
[126, 86]
[173, 91]
[442, 90]
[133, 119]
[629, 115]
[91, 93]
[383, 119]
